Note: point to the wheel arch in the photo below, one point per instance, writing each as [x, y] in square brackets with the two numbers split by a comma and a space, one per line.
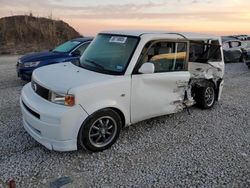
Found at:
[122, 108]
[121, 114]
[203, 82]
[117, 110]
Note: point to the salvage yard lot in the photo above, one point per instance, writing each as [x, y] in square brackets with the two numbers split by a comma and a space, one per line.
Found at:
[208, 148]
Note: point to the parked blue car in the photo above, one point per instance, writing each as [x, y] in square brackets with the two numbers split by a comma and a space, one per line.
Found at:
[68, 51]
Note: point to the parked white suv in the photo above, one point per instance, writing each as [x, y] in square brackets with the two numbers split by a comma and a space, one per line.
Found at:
[122, 78]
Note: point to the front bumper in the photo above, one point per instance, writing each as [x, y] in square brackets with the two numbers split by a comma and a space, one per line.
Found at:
[24, 74]
[54, 126]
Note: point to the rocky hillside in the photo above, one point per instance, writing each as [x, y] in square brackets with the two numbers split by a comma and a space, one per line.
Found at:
[22, 34]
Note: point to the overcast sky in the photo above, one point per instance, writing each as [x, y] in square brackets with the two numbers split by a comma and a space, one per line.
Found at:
[90, 17]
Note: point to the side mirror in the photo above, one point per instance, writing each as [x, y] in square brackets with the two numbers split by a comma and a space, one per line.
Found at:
[76, 53]
[147, 68]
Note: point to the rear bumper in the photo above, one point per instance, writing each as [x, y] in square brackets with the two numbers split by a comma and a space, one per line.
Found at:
[54, 126]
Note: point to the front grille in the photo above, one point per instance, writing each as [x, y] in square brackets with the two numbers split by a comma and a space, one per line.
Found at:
[31, 111]
[40, 90]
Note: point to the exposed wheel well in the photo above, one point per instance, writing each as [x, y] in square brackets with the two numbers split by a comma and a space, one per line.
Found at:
[196, 84]
[215, 84]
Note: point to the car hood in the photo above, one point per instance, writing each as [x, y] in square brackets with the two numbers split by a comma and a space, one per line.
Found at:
[64, 76]
[40, 56]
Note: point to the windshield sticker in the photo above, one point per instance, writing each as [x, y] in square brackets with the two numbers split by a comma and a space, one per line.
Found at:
[117, 39]
[119, 67]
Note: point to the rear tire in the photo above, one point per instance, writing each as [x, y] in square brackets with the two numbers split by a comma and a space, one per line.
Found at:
[205, 96]
[243, 59]
[100, 130]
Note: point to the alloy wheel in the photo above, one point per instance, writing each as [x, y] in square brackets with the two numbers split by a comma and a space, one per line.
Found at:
[102, 131]
[209, 96]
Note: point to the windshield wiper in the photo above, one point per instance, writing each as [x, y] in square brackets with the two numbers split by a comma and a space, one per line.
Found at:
[96, 64]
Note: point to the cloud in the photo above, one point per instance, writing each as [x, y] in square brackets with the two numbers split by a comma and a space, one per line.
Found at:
[141, 15]
[186, 14]
[161, 9]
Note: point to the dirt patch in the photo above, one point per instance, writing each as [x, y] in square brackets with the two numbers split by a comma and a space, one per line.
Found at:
[22, 34]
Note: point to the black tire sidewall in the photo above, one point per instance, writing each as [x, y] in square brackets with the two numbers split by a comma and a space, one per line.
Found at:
[200, 96]
[83, 135]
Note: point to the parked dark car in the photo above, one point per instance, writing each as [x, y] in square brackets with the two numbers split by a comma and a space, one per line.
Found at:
[68, 51]
[233, 50]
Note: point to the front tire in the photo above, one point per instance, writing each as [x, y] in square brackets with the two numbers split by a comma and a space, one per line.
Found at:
[100, 130]
[205, 96]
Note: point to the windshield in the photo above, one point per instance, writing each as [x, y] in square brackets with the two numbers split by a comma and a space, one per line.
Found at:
[109, 54]
[67, 46]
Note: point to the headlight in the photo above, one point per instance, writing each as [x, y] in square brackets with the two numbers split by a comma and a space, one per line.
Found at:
[31, 64]
[62, 99]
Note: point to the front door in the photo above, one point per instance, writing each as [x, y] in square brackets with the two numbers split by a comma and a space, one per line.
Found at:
[163, 91]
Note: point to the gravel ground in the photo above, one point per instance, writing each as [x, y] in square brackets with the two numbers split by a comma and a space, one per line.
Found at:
[209, 148]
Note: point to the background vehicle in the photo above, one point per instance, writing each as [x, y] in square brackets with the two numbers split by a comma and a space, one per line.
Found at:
[246, 53]
[68, 51]
[233, 49]
[123, 77]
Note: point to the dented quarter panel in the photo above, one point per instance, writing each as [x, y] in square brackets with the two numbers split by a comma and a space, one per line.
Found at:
[206, 71]
[202, 72]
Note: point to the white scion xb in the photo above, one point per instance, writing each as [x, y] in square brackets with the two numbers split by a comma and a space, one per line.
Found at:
[122, 78]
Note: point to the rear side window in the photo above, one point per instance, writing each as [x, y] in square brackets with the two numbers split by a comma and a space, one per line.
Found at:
[196, 51]
[204, 51]
[83, 47]
[166, 56]
[226, 45]
[235, 44]
[215, 51]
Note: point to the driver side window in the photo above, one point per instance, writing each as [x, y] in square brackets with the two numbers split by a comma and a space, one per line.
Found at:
[167, 56]
[83, 47]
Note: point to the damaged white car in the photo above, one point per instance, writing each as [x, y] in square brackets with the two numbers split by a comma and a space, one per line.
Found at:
[122, 78]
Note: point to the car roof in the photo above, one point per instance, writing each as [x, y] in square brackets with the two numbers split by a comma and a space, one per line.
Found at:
[228, 39]
[83, 39]
[139, 33]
